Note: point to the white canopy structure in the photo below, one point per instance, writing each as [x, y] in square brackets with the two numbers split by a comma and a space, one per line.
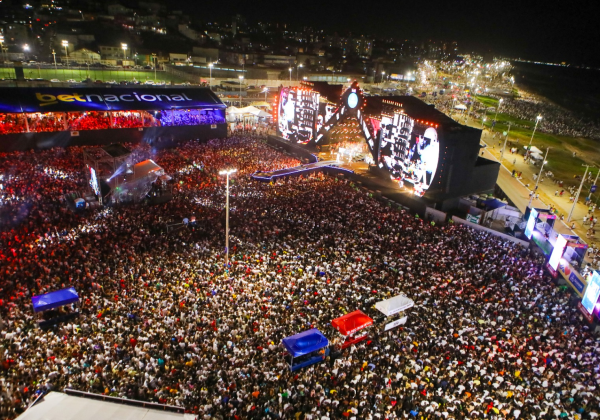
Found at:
[534, 150]
[394, 305]
[460, 106]
[59, 406]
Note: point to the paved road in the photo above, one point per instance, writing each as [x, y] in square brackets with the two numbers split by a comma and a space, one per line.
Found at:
[518, 193]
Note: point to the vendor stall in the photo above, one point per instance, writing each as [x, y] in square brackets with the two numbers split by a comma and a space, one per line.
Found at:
[352, 327]
[395, 307]
[305, 348]
[54, 307]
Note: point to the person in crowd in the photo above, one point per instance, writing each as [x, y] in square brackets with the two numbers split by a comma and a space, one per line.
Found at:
[164, 320]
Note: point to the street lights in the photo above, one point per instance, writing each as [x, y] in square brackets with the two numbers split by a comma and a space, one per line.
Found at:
[154, 60]
[241, 78]
[210, 66]
[266, 90]
[497, 109]
[537, 181]
[537, 120]
[482, 121]
[124, 48]
[298, 72]
[227, 172]
[54, 55]
[66, 45]
[504, 147]
[578, 192]
[2, 47]
[382, 74]
[26, 47]
[290, 75]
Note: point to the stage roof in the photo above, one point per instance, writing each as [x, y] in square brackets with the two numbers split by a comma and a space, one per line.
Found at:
[68, 99]
[305, 342]
[54, 300]
[413, 107]
[351, 322]
[59, 406]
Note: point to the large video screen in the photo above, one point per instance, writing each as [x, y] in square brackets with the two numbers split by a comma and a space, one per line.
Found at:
[592, 292]
[410, 150]
[531, 223]
[297, 119]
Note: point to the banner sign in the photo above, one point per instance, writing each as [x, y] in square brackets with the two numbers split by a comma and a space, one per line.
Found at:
[572, 277]
[588, 316]
[395, 323]
[71, 99]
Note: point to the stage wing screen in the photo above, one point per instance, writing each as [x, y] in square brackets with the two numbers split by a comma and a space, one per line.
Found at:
[410, 151]
[298, 109]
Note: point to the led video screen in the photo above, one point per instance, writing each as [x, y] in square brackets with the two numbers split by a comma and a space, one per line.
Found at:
[298, 109]
[409, 150]
[592, 292]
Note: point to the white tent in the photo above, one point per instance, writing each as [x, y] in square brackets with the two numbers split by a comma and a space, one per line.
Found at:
[460, 106]
[534, 150]
[59, 406]
[394, 305]
[233, 110]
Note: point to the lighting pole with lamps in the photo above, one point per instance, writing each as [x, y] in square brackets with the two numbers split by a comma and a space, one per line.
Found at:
[497, 109]
[266, 90]
[124, 48]
[154, 60]
[66, 45]
[290, 75]
[241, 78]
[2, 47]
[578, 192]
[298, 72]
[537, 181]
[210, 66]
[382, 74]
[537, 120]
[504, 147]
[482, 121]
[227, 172]
[54, 55]
[592, 187]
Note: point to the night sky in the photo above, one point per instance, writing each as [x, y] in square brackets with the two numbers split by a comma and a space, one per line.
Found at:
[566, 31]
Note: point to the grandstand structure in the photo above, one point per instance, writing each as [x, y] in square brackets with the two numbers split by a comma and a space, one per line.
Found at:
[40, 117]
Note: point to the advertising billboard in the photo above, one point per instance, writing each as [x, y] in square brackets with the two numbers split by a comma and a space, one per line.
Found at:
[410, 150]
[557, 253]
[590, 298]
[531, 223]
[297, 114]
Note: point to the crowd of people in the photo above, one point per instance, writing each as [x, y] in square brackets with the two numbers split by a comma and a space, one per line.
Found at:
[191, 117]
[163, 319]
[555, 119]
[69, 121]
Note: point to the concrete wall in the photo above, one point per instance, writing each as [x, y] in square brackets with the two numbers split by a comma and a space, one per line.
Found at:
[491, 231]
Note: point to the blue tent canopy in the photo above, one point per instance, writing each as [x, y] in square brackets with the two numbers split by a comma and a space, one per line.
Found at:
[54, 299]
[305, 342]
[493, 204]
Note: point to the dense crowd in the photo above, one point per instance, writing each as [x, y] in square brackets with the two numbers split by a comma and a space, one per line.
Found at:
[68, 121]
[555, 119]
[162, 319]
[191, 117]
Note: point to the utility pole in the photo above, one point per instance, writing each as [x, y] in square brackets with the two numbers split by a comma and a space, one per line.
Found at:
[578, 192]
[504, 147]
[593, 185]
[537, 181]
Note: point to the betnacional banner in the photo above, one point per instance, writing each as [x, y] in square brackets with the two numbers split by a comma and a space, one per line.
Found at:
[74, 99]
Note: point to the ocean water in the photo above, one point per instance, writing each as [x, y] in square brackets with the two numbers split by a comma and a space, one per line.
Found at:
[577, 90]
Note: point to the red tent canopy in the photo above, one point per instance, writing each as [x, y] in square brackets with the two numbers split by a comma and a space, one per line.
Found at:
[352, 322]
